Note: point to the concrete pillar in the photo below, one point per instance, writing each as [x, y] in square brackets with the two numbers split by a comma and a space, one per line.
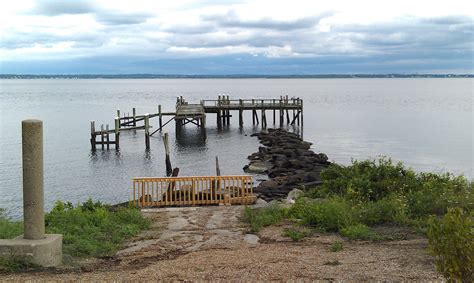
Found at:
[33, 200]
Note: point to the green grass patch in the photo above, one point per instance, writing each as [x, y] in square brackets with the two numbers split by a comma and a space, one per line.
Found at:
[337, 246]
[359, 232]
[92, 228]
[259, 218]
[89, 229]
[296, 234]
[9, 229]
[16, 265]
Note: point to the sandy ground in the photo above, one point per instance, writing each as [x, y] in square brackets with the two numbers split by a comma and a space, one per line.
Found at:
[209, 243]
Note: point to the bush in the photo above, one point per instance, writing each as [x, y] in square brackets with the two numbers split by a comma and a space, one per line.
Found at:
[259, 218]
[388, 210]
[359, 232]
[451, 242]
[368, 180]
[330, 215]
[92, 229]
[437, 193]
[296, 234]
[9, 229]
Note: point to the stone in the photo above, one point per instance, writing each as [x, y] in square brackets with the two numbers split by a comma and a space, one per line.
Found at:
[251, 239]
[294, 195]
[45, 252]
[268, 185]
[257, 168]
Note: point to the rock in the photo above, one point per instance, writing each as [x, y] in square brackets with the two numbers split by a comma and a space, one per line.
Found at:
[251, 239]
[257, 168]
[311, 177]
[294, 195]
[268, 185]
[260, 201]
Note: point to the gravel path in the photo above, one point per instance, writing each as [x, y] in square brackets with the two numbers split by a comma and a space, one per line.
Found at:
[209, 243]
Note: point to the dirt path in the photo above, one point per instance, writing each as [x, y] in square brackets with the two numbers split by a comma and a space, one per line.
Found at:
[209, 243]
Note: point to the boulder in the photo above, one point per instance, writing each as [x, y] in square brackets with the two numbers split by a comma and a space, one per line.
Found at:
[294, 195]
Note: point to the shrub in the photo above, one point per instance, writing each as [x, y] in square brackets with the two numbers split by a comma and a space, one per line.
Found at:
[17, 265]
[359, 232]
[296, 234]
[336, 246]
[368, 180]
[259, 218]
[92, 229]
[9, 229]
[387, 210]
[331, 214]
[437, 193]
[451, 242]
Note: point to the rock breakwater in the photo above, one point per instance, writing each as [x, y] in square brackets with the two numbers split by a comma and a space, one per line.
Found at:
[288, 161]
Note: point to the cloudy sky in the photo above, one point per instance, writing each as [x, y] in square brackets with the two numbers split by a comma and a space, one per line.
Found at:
[236, 37]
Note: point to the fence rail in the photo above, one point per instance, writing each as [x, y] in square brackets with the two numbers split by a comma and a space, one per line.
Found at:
[195, 190]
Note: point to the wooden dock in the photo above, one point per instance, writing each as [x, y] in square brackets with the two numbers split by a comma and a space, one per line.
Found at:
[289, 111]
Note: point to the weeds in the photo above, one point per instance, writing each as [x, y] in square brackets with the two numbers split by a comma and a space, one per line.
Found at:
[9, 229]
[257, 219]
[296, 234]
[336, 246]
[359, 232]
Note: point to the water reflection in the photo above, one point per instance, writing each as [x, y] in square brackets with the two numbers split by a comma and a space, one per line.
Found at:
[191, 138]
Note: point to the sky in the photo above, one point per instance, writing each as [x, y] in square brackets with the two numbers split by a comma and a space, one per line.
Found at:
[236, 37]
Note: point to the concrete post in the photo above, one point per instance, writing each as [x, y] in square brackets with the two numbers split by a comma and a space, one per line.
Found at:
[33, 196]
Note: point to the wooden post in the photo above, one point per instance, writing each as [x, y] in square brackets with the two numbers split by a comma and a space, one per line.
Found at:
[281, 112]
[264, 118]
[241, 118]
[169, 169]
[160, 117]
[118, 115]
[274, 105]
[117, 133]
[134, 113]
[228, 110]
[253, 112]
[102, 135]
[93, 135]
[147, 131]
[287, 116]
[218, 169]
[107, 136]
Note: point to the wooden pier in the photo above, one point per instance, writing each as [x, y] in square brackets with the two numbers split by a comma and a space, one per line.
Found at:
[289, 111]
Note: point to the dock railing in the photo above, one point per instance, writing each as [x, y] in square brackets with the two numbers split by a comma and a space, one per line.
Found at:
[252, 102]
[190, 191]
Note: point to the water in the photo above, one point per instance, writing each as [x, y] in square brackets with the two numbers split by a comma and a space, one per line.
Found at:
[427, 123]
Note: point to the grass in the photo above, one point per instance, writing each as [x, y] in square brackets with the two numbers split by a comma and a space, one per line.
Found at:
[337, 246]
[16, 265]
[9, 229]
[89, 229]
[359, 232]
[257, 219]
[296, 234]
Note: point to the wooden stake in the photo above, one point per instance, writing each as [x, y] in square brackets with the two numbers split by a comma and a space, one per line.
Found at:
[117, 133]
[107, 136]
[93, 135]
[147, 131]
[169, 169]
[160, 117]
[102, 135]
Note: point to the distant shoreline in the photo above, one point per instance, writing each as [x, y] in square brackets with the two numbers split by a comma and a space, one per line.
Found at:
[236, 76]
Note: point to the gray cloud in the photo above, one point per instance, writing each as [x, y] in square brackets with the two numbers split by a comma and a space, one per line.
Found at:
[55, 8]
[102, 15]
[118, 18]
[231, 20]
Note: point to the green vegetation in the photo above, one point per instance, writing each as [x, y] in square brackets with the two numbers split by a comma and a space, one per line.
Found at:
[296, 234]
[451, 241]
[16, 265]
[89, 229]
[93, 229]
[265, 217]
[337, 246]
[8, 228]
[354, 198]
